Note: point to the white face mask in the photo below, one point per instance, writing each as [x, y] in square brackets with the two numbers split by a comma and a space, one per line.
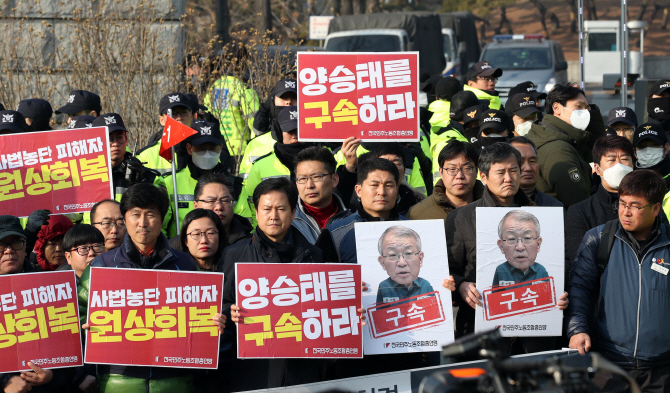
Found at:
[524, 128]
[580, 118]
[205, 159]
[649, 156]
[614, 174]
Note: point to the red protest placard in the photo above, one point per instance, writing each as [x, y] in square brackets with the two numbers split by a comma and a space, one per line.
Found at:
[372, 96]
[517, 299]
[153, 318]
[39, 321]
[417, 312]
[65, 171]
[295, 310]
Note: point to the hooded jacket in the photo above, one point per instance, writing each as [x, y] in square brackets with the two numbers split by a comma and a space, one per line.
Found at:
[461, 232]
[564, 153]
[57, 226]
[308, 226]
[438, 205]
[628, 317]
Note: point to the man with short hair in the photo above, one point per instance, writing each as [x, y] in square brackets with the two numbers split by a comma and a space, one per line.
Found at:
[530, 172]
[624, 121]
[106, 216]
[619, 287]
[524, 111]
[37, 113]
[214, 191]
[178, 106]
[482, 79]
[316, 180]
[407, 195]
[81, 102]
[564, 142]
[143, 207]
[613, 159]
[458, 184]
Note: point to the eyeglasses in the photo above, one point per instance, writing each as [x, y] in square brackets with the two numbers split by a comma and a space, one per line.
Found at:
[120, 138]
[407, 256]
[84, 250]
[488, 79]
[109, 224]
[16, 245]
[316, 178]
[623, 206]
[513, 241]
[196, 235]
[213, 202]
[466, 170]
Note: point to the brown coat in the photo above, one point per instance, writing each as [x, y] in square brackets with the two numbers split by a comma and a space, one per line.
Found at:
[437, 205]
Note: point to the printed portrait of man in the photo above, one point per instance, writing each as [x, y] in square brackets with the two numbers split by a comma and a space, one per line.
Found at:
[401, 257]
[520, 241]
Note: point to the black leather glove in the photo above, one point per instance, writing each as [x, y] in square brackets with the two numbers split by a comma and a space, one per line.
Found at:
[36, 219]
[134, 170]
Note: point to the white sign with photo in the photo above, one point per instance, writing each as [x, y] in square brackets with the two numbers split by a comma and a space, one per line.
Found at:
[520, 270]
[403, 265]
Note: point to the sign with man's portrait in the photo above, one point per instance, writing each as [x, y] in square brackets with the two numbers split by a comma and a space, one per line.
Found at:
[403, 266]
[520, 270]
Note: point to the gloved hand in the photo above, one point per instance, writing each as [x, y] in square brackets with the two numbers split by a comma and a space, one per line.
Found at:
[134, 170]
[36, 219]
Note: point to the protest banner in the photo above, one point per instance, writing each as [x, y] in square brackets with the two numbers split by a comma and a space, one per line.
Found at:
[520, 267]
[64, 171]
[407, 308]
[313, 313]
[39, 321]
[372, 96]
[155, 318]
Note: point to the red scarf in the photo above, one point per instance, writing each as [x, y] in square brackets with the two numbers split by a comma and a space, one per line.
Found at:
[321, 215]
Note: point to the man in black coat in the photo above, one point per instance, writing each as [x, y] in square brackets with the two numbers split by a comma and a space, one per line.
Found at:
[274, 241]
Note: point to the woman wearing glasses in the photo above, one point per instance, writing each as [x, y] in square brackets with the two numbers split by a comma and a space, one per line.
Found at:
[203, 237]
[82, 243]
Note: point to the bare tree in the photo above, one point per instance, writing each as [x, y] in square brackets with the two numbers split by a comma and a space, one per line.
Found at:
[222, 21]
[265, 21]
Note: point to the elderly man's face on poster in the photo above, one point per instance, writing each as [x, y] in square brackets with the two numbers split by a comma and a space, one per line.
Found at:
[520, 242]
[401, 258]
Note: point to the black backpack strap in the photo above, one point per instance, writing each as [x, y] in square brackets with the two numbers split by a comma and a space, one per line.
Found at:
[606, 243]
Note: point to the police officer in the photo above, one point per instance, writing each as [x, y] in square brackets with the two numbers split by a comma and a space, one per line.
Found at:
[482, 79]
[180, 107]
[81, 102]
[82, 121]
[37, 113]
[12, 122]
[203, 151]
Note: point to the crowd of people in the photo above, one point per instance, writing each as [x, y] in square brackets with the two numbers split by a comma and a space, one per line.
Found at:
[297, 202]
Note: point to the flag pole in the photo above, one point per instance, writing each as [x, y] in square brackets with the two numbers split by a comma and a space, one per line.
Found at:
[175, 193]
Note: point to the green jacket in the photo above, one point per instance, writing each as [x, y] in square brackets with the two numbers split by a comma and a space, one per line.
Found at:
[256, 148]
[235, 106]
[564, 153]
[482, 95]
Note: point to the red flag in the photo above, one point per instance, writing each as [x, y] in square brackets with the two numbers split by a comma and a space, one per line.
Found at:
[173, 133]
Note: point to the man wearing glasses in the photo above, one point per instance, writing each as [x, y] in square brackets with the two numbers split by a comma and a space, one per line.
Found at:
[619, 287]
[106, 216]
[482, 79]
[401, 257]
[520, 242]
[458, 184]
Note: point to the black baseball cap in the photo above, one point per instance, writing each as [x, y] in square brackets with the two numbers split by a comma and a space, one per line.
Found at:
[527, 87]
[10, 226]
[172, 100]
[522, 105]
[284, 86]
[497, 120]
[622, 114]
[659, 87]
[447, 87]
[288, 118]
[80, 100]
[207, 132]
[609, 131]
[81, 121]
[483, 68]
[12, 121]
[112, 121]
[472, 113]
[649, 131]
[35, 108]
[194, 103]
[460, 102]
